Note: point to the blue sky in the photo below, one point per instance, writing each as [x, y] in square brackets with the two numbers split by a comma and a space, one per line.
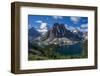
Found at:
[71, 22]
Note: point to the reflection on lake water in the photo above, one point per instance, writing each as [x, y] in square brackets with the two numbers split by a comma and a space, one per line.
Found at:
[70, 49]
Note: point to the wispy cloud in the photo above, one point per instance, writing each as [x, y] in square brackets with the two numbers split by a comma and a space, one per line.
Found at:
[39, 21]
[81, 29]
[84, 26]
[75, 19]
[71, 28]
[57, 17]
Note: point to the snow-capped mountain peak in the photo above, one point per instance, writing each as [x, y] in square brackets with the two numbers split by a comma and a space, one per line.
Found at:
[75, 31]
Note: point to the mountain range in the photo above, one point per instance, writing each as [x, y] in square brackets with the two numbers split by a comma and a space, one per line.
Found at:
[58, 34]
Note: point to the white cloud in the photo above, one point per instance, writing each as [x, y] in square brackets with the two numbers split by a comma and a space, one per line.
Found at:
[75, 19]
[39, 21]
[71, 28]
[43, 28]
[82, 30]
[84, 26]
[43, 25]
[57, 17]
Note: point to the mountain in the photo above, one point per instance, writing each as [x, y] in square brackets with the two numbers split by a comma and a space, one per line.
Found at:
[59, 31]
[85, 35]
[33, 33]
[59, 35]
[78, 33]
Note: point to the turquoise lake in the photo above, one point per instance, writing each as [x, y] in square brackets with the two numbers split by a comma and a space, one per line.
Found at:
[70, 49]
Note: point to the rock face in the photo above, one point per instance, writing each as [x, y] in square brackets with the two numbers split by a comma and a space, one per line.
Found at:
[59, 31]
[85, 36]
[78, 33]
